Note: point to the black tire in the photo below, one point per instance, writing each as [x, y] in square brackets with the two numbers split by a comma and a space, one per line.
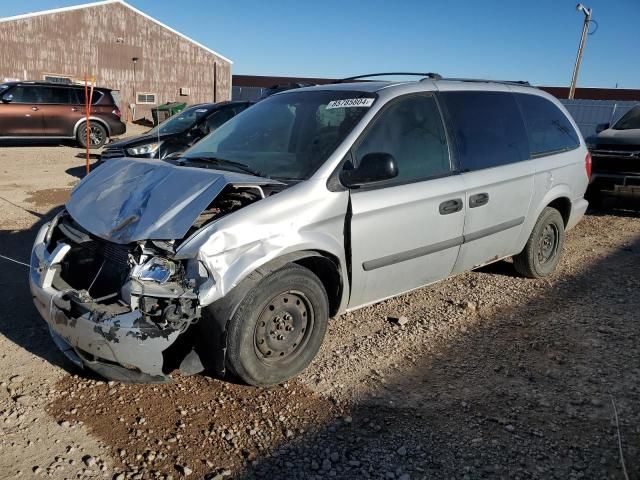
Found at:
[544, 247]
[278, 327]
[97, 138]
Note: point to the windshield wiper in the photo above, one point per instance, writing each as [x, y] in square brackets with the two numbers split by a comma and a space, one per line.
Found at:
[222, 162]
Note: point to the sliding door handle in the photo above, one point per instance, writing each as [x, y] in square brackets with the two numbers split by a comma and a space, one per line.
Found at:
[478, 200]
[451, 206]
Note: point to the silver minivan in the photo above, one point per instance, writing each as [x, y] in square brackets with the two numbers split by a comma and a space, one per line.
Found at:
[312, 203]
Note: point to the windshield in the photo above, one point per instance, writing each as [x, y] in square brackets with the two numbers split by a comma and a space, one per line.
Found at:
[630, 120]
[289, 135]
[181, 121]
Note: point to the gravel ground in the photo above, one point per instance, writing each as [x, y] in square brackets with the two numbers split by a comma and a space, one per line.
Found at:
[491, 376]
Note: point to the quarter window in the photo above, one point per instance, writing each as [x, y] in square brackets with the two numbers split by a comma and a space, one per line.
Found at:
[548, 128]
[488, 128]
[411, 130]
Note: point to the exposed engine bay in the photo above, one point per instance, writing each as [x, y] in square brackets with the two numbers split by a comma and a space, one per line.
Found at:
[232, 198]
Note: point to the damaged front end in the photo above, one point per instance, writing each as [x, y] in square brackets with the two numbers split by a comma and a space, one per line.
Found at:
[116, 309]
[123, 305]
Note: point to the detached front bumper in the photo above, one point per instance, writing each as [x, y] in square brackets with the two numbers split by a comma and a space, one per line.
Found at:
[123, 347]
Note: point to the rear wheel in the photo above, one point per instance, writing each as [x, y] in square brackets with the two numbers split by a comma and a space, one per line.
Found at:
[278, 327]
[97, 135]
[544, 247]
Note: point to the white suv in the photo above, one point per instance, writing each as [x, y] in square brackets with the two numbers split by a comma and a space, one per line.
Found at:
[313, 202]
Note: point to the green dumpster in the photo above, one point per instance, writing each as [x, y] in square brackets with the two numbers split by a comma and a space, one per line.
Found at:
[166, 110]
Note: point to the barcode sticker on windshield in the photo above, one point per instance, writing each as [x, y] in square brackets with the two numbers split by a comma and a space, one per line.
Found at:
[350, 102]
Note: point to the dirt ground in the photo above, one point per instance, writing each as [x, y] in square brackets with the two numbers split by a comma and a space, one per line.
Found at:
[493, 376]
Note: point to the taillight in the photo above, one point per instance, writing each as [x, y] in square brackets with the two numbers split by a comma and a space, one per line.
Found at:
[587, 165]
[117, 112]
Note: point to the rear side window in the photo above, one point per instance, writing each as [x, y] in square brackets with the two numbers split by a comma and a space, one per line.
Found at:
[488, 128]
[55, 95]
[411, 130]
[78, 96]
[550, 131]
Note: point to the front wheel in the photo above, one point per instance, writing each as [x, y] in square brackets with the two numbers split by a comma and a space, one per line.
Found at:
[278, 327]
[542, 251]
[97, 135]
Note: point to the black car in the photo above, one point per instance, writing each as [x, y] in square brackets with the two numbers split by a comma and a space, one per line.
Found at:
[615, 154]
[176, 133]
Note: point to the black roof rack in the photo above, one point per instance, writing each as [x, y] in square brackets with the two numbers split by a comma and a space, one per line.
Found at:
[42, 83]
[481, 80]
[431, 75]
[435, 76]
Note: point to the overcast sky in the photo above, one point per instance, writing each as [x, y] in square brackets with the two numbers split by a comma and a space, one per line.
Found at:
[500, 39]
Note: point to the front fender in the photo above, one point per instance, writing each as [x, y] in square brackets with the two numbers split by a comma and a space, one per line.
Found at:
[301, 218]
[231, 267]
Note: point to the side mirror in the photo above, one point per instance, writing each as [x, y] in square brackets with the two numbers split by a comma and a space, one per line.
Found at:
[374, 167]
[7, 98]
[601, 126]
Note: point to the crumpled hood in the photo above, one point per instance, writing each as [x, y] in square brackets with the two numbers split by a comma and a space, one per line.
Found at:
[127, 200]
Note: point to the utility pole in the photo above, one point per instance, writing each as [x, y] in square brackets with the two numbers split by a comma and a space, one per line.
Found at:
[132, 105]
[585, 30]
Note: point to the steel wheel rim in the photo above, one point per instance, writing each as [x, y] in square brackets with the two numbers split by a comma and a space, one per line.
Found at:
[96, 135]
[283, 328]
[548, 243]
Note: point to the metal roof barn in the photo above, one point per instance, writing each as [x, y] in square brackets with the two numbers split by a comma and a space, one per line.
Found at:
[123, 48]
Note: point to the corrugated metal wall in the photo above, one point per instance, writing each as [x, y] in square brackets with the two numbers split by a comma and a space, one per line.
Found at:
[588, 114]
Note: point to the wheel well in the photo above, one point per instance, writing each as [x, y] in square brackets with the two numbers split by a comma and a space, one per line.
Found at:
[563, 205]
[327, 270]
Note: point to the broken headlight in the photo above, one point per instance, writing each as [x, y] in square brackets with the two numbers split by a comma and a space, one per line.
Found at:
[52, 226]
[157, 269]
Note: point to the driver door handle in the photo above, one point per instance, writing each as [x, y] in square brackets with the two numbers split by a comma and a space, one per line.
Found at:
[35, 109]
[450, 206]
